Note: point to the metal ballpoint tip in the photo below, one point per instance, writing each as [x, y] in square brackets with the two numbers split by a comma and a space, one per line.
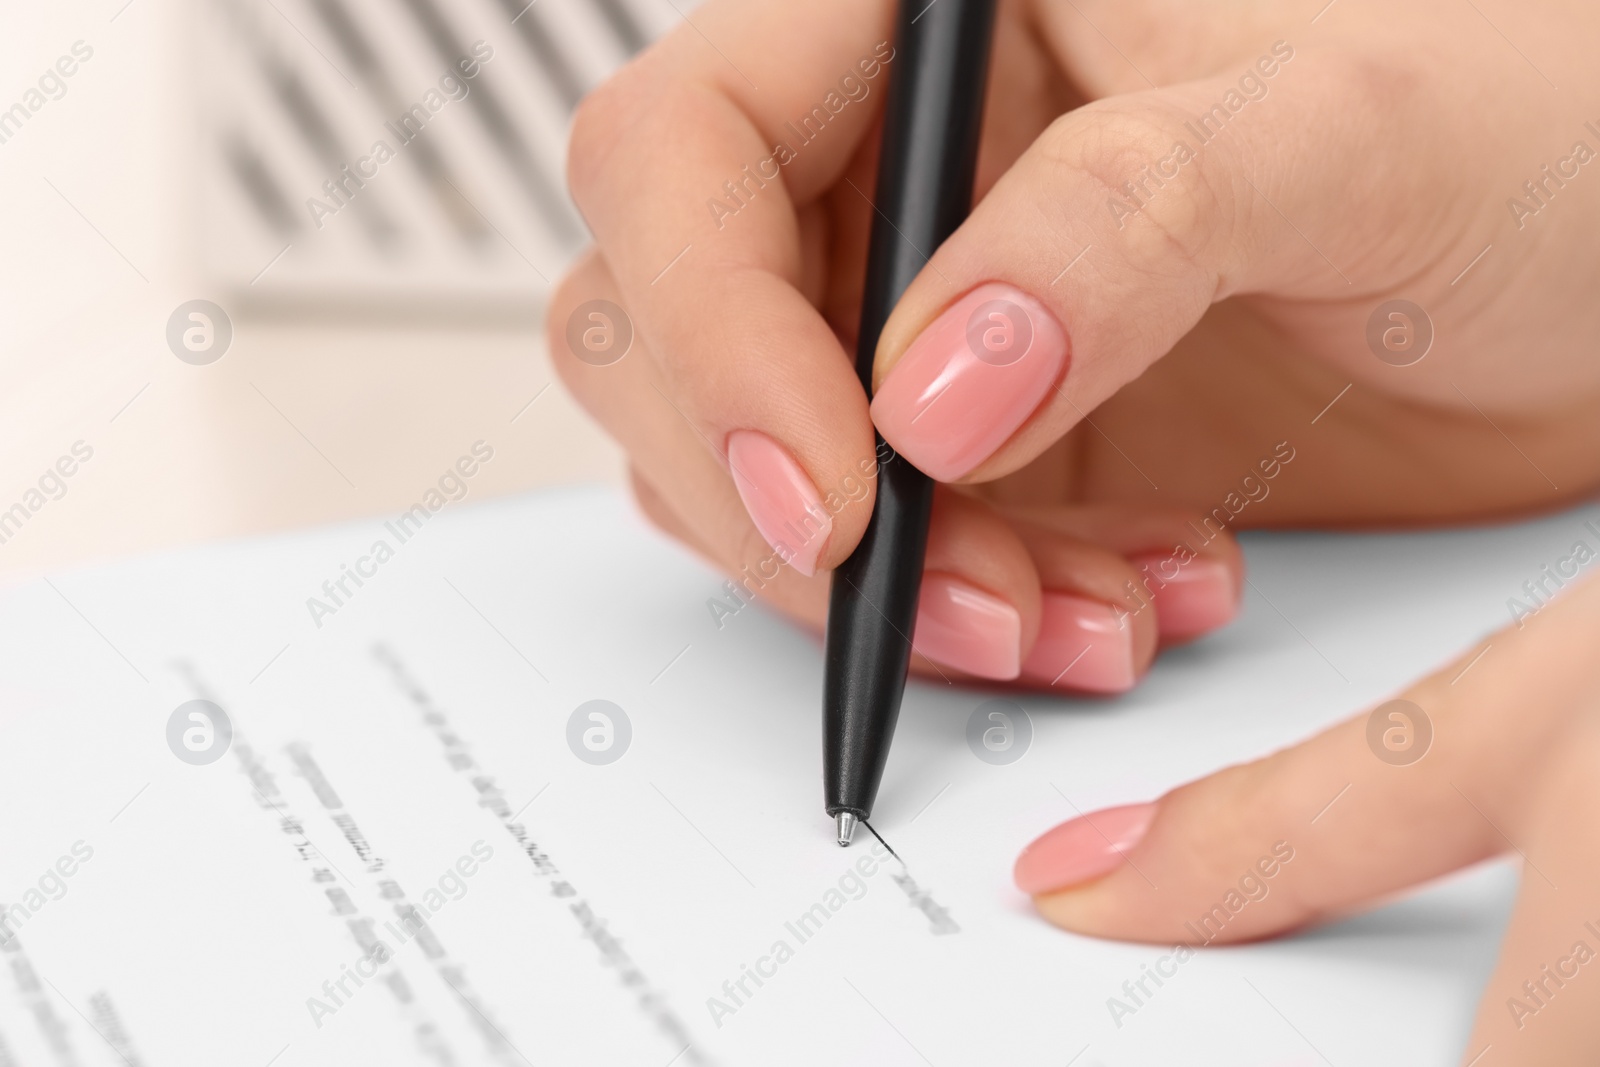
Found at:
[845, 821]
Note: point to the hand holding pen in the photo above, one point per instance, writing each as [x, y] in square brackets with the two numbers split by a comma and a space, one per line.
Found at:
[1271, 272]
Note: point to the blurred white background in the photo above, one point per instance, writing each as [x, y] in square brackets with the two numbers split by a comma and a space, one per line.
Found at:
[176, 162]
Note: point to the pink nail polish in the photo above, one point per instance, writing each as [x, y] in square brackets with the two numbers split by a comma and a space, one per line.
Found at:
[780, 498]
[967, 628]
[1081, 849]
[1191, 598]
[1082, 645]
[970, 379]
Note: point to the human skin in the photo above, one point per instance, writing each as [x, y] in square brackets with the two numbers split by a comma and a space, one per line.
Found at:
[1226, 315]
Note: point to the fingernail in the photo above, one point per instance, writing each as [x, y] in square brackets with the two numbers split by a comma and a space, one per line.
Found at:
[970, 379]
[1199, 596]
[1082, 645]
[1090, 846]
[780, 498]
[967, 628]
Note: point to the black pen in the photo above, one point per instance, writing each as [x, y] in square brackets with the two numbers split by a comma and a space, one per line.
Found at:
[933, 114]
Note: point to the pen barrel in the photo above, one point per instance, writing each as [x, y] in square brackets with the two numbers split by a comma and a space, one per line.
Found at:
[933, 114]
[872, 613]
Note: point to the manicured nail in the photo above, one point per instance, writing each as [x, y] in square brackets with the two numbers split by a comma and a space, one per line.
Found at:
[1082, 645]
[970, 379]
[1191, 598]
[780, 498]
[967, 628]
[1087, 847]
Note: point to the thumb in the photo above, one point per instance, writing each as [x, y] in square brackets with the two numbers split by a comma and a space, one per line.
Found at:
[1413, 790]
[1107, 241]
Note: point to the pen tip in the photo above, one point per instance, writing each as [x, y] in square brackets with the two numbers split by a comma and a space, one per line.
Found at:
[845, 821]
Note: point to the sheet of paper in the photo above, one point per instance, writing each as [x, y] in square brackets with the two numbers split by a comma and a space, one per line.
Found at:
[424, 842]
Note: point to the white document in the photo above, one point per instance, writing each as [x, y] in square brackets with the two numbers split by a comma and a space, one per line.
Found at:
[413, 850]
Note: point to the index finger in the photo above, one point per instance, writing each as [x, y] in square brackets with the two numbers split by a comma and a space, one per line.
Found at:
[690, 168]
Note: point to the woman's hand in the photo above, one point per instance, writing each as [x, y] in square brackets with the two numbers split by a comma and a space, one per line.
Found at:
[1196, 215]
[1499, 758]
